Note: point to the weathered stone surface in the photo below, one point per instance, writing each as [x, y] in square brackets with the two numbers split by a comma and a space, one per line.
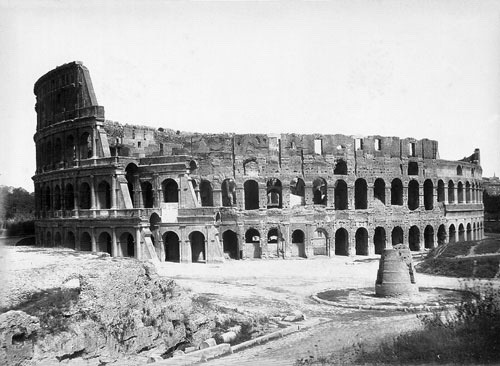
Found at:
[18, 332]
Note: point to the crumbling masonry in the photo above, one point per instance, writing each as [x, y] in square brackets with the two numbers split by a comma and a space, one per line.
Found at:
[166, 195]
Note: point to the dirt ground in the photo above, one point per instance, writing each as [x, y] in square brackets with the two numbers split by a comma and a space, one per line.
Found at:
[263, 287]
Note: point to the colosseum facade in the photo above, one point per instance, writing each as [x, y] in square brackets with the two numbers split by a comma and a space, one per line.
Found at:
[155, 193]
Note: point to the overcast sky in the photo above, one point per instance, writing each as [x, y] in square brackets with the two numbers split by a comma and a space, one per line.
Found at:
[424, 69]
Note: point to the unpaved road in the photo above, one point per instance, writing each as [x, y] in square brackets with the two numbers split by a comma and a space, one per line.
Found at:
[265, 287]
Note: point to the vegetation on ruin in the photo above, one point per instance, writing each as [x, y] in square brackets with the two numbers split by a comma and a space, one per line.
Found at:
[17, 210]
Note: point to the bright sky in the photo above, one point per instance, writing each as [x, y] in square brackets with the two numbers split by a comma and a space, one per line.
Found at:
[424, 69]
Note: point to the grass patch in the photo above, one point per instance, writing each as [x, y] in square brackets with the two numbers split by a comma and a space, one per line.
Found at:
[487, 246]
[452, 250]
[447, 267]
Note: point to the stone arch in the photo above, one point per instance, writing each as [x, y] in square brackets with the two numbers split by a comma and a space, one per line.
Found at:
[127, 245]
[85, 242]
[70, 241]
[467, 192]
[48, 154]
[69, 197]
[297, 192]
[58, 152]
[341, 242]
[452, 234]
[273, 239]
[396, 192]
[104, 195]
[441, 236]
[252, 238]
[58, 240]
[274, 193]
[48, 198]
[460, 192]
[360, 194]
[319, 187]
[147, 194]
[361, 241]
[451, 192]
[413, 194]
[440, 191]
[206, 193]
[320, 242]
[379, 190]
[49, 242]
[298, 244]
[397, 236]
[70, 150]
[85, 203]
[131, 173]
[197, 241]
[85, 146]
[57, 198]
[429, 237]
[228, 188]
[154, 224]
[171, 243]
[379, 239]
[459, 170]
[341, 201]
[468, 232]
[412, 168]
[414, 238]
[170, 190]
[251, 188]
[340, 167]
[428, 194]
[461, 232]
[104, 243]
[230, 244]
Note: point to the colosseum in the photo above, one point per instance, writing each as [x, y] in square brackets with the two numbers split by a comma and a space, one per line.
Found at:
[165, 195]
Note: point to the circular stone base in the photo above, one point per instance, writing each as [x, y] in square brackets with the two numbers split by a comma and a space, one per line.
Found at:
[428, 298]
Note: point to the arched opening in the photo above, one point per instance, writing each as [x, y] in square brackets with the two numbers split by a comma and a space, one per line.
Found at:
[461, 232]
[379, 240]
[172, 250]
[104, 243]
[58, 153]
[341, 242]
[320, 192]
[57, 240]
[230, 244]
[341, 195]
[85, 146]
[379, 190]
[273, 236]
[251, 188]
[170, 190]
[49, 242]
[85, 242]
[360, 195]
[441, 237]
[252, 241]
[297, 192]
[193, 166]
[412, 168]
[70, 150]
[361, 241]
[414, 238]
[340, 167]
[452, 234]
[429, 237]
[127, 245]
[57, 198]
[69, 197]
[131, 175]
[197, 241]
[459, 170]
[451, 192]
[413, 195]
[154, 227]
[48, 154]
[85, 196]
[298, 245]
[428, 194]
[396, 192]
[467, 192]
[469, 233]
[206, 193]
[460, 192]
[274, 196]
[70, 240]
[320, 242]
[104, 195]
[440, 191]
[147, 194]
[48, 199]
[397, 236]
[228, 188]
